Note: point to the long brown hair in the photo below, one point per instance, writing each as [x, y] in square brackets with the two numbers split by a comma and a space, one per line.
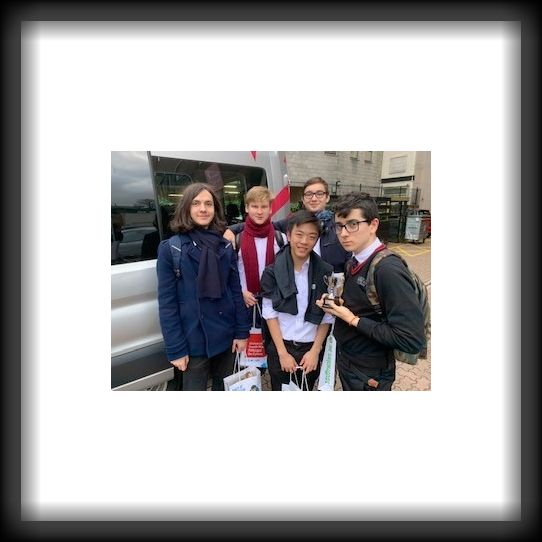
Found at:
[182, 221]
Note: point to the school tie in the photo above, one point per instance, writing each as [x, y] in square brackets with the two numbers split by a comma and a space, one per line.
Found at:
[355, 266]
[352, 264]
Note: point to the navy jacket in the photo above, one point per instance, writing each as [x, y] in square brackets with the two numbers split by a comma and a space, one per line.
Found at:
[193, 326]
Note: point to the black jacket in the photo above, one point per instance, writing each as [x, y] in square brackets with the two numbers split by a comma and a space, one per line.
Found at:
[278, 284]
[401, 326]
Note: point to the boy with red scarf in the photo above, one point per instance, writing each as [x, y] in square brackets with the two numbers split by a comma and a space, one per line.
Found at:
[258, 244]
[257, 248]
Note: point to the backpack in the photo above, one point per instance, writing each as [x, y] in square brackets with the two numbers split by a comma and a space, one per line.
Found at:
[175, 247]
[278, 238]
[421, 293]
[175, 243]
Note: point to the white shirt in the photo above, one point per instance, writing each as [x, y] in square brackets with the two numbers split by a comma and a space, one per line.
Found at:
[261, 250]
[293, 327]
[366, 252]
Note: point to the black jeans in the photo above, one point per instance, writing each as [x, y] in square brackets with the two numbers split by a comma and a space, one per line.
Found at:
[355, 377]
[297, 351]
[196, 376]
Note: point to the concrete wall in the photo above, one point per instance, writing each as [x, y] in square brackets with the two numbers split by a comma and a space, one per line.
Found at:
[391, 158]
[423, 178]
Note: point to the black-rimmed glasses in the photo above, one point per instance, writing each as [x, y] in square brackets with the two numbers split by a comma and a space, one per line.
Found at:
[351, 226]
[319, 194]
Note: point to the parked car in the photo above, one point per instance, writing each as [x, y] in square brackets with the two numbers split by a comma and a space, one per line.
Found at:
[132, 242]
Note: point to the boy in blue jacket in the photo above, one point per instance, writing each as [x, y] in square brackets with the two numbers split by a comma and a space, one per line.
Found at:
[202, 314]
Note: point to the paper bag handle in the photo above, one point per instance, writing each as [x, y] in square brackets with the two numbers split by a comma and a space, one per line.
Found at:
[236, 365]
[257, 306]
[303, 379]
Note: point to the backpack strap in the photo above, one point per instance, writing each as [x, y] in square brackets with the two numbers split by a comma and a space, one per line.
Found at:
[279, 238]
[370, 288]
[175, 246]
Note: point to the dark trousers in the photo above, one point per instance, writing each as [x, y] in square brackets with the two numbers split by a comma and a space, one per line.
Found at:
[355, 377]
[297, 351]
[199, 368]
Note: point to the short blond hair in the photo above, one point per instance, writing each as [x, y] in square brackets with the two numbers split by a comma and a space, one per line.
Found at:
[258, 193]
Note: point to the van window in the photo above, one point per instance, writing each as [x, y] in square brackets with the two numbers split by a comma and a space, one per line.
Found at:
[134, 231]
[231, 182]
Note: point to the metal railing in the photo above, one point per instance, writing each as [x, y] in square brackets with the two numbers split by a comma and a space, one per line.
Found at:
[395, 193]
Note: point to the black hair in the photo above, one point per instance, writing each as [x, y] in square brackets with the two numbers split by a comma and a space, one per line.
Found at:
[303, 217]
[356, 200]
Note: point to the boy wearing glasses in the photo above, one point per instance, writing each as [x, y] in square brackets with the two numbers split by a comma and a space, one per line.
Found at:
[290, 288]
[315, 200]
[365, 339]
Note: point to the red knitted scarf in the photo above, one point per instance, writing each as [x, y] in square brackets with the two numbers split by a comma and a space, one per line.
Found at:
[248, 250]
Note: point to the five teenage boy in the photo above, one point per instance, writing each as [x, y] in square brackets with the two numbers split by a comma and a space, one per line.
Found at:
[289, 284]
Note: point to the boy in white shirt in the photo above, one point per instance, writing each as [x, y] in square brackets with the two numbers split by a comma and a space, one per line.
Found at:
[290, 288]
[258, 243]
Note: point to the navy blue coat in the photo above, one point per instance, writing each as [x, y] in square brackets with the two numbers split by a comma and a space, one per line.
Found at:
[193, 326]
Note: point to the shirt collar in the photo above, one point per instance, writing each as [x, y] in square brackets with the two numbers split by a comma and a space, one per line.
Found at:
[304, 266]
[366, 252]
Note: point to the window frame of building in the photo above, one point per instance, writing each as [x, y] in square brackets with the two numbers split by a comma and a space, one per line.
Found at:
[398, 164]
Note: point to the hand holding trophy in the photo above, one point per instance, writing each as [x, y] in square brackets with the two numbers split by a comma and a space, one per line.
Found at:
[335, 286]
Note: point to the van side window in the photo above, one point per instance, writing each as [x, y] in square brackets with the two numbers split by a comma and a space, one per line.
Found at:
[134, 227]
[231, 182]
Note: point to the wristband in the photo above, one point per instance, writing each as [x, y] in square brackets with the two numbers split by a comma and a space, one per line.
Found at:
[352, 321]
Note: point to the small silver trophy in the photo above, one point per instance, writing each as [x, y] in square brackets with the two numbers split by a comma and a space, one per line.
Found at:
[335, 286]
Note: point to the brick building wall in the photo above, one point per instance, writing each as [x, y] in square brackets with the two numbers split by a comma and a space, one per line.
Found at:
[355, 170]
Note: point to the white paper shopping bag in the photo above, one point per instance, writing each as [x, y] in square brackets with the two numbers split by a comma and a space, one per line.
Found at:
[248, 379]
[290, 387]
[293, 384]
[326, 380]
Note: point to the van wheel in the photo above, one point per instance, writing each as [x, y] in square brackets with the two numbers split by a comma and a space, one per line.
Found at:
[159, 387]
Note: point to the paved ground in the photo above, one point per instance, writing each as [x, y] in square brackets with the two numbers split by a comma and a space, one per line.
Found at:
[408, 377]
